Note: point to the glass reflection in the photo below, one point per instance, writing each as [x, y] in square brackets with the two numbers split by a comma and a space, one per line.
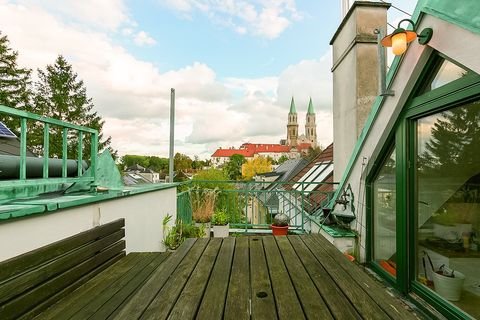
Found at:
[448, 205]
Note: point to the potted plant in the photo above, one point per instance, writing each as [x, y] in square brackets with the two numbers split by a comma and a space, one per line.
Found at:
[172, 238]
[280, 225]
[203, 205]
[221, 227]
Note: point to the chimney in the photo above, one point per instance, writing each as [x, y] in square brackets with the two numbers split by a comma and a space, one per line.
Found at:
[355, 76]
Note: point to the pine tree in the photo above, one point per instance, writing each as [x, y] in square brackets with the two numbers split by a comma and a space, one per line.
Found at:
[454, 141]
[60, 94]
[15, 84]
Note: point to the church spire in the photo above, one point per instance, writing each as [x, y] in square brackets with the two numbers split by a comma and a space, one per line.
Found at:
[310, 107]
[311, 126]
[292, 107]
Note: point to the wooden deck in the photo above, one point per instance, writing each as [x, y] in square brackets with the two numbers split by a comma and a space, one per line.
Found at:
[293, 277]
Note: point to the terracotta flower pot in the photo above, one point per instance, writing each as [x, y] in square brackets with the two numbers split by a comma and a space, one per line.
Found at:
[279, 231]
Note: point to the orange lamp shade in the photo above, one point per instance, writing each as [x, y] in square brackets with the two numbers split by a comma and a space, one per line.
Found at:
[399, 43]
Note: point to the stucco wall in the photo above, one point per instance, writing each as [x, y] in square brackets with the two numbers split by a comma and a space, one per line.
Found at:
[355, 77]
[460, 45]
[143, 215]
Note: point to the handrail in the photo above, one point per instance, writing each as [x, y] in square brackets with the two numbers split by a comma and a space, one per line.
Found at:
[250, 204]
[46, 179]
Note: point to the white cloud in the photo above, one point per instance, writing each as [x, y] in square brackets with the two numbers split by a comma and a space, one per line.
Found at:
[133, 95]
[263, 18]
[143, 39]
[104, 14]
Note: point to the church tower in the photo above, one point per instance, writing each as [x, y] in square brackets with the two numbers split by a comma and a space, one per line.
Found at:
[310, 126]
[292, 126]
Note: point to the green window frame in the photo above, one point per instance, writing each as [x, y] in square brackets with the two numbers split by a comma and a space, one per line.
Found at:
[403, 138]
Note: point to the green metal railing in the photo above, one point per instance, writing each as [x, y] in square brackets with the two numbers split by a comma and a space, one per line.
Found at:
[184, 207]
[252, 205]
[66, 128]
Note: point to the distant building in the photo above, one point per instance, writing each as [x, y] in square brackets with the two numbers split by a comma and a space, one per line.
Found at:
[304, 141]
[147, 175]
[251, 151]
[292, 147]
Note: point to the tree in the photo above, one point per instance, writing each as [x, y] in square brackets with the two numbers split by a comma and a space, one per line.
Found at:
[255, 166]
[15, 84]
[453, 143]
[233, 167]
[157, 164]
[282, 159]
[312, 153]
[61, 95]
[182, 162]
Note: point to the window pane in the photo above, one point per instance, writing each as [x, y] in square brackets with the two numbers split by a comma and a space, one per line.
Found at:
[384, 216]
[448, 204]
[446, 72]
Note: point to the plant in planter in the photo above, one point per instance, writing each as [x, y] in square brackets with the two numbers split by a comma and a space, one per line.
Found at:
[172, 239]
[221, 227]
[203, 205]
[173, 236]
[280, 225]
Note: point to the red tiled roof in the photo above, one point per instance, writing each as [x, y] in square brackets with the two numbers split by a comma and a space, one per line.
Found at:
[263, 147]
[250, 149]
[226, 153]
[303, 146]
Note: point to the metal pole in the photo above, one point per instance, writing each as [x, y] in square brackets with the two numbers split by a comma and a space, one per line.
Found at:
[382, 65]
[172, 130]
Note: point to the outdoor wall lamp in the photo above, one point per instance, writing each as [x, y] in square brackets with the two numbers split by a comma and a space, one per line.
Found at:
[399, 38]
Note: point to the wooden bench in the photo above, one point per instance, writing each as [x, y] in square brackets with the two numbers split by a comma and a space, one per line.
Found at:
[33, 281]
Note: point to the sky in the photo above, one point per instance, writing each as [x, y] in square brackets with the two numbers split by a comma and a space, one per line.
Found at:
[234, 64]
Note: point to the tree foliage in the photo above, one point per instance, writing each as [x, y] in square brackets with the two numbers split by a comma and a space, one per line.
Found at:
[256, 166]
[182, 162]
[61, 95]
[15, 84]
[313, 152]
[282, 159]
[233, 168]
[157, 164]
[453, 143]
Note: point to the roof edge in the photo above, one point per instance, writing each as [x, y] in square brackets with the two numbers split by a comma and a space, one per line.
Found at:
[350, 12]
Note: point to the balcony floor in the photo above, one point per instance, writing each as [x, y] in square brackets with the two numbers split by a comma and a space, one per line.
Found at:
[293, 277]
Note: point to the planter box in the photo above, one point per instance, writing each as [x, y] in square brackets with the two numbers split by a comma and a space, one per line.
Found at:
[221, 231]
[279, 231]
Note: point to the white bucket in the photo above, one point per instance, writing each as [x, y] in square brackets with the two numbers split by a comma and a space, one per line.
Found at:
[221, 231]
[449, 288]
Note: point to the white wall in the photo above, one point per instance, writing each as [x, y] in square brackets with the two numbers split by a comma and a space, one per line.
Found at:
[143, 215]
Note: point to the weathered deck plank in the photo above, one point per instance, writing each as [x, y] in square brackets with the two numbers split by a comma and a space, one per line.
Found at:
[365, 305]
[166, 298]
[191, 295]
[110, 308]
[72, 303]
[389, 304]
[214, 299]
[263, 303]
[238, 296]
[286, 299]
[312, 302]
[293, 277]
[134, 308]
[89, 309]
[336, 301]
